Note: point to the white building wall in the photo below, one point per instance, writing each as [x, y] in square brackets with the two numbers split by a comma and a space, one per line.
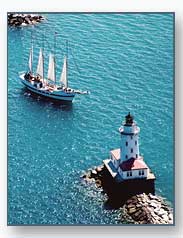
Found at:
[115, 162]
[129, 146]
[120, 172]
[134, 174]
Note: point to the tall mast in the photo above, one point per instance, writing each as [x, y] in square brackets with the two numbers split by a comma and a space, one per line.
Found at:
[67, 55]
[54, 57]
[43, 57]
[31, 56]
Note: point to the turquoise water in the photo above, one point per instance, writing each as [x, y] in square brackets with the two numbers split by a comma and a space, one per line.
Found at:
[126, 62]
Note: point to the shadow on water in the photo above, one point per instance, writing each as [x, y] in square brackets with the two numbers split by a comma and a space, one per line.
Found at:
[113, 204]
[43, 101]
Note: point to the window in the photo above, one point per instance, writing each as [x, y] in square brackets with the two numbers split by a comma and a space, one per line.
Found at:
[135, 142]
[131, 150]
[126, 143]
[136, 156]
[129, 173]
[141, 172]
[126, 156]
[131, 137]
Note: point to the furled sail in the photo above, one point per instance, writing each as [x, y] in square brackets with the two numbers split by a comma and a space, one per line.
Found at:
[51, 68]
[31, 59]
[40, 64]
[63, 78]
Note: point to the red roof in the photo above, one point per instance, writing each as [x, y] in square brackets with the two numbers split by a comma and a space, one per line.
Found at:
[116, 154]
[132, 164]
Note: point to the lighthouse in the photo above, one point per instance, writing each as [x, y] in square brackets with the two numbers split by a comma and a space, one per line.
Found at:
[126, 163]
[129, 139]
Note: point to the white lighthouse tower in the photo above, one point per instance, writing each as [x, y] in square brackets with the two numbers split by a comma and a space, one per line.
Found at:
[129, 139]
[126, 163]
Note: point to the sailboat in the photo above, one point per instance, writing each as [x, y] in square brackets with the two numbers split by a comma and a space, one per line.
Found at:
[48, 86]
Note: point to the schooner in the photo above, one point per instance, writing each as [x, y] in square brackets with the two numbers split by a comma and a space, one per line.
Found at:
[48, 86]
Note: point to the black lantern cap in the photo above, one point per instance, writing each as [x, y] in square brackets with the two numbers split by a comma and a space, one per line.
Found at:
[129, 120]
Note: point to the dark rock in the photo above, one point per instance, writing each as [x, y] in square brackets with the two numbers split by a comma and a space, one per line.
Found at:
[10, 15]
[99, 169]
[17, 23]
[83, 176]
[132, 210]
[170, 216]
[130, 205]
[12, 21]
[35, 17]
[98, 183]
[23, 19]
[137, 214]
[94, 172]
[165, 218]
[20, 20]
[27, 20]
[152, 196]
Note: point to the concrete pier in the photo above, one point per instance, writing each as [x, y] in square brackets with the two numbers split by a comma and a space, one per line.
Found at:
[136, 199]
[120, 192]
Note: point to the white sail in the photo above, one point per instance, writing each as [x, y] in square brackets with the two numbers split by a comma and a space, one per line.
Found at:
[51, 68]
[63, 78]
[40, 64]
[30, 59]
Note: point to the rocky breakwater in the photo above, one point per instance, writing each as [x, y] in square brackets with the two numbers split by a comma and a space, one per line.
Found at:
[24, 19]
[149, 209]
[138, 209]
